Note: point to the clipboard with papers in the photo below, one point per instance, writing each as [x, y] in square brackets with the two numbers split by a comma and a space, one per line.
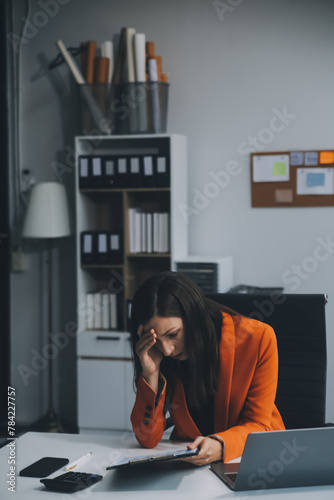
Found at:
[152, 458]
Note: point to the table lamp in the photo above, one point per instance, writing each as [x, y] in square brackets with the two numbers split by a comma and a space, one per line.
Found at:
[47, 218]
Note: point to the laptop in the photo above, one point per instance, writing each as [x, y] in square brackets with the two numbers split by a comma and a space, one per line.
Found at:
[282, 459]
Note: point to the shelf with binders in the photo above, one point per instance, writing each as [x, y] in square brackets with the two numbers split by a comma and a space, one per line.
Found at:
[101, 250]
[129, 163]
[101, 230]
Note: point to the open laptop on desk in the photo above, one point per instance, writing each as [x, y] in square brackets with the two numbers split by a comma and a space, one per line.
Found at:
[282, 459]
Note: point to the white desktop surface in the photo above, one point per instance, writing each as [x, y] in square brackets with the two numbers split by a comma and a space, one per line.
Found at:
[170, 480]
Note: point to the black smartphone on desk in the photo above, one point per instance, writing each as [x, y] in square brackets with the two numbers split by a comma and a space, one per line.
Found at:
[44, 467]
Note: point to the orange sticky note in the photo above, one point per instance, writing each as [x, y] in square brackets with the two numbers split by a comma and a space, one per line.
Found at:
[326, 157]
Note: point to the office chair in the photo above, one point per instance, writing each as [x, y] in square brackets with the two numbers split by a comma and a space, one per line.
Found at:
[299, 323]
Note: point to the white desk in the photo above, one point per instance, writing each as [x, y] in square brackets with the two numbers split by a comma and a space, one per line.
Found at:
[166, 480]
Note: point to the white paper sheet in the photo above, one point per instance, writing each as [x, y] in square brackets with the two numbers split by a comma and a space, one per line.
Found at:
[315, 180]
[271, 168]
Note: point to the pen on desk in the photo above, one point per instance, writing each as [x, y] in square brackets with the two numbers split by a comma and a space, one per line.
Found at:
[78, 461]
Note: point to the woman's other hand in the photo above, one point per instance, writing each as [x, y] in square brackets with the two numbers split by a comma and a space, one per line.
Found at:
[210, 450]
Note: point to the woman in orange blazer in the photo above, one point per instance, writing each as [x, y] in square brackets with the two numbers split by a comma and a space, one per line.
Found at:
[212, 369]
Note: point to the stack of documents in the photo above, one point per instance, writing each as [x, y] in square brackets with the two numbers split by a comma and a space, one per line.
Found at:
[101, 311]
[148, 231]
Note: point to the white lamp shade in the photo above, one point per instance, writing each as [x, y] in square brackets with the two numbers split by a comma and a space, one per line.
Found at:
[47, 213]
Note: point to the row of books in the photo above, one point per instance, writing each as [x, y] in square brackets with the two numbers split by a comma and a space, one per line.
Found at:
[111, 171]
[101, 247]
[101, 311]
[148, 231]
[135, 60]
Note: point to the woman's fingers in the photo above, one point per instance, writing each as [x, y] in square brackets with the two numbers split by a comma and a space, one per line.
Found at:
[145, 345]
[146, 340]
[142, 333]
[146, 337]
[196, 443]
[210, 450]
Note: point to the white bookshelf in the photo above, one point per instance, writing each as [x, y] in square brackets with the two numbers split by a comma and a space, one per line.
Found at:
[105, 385]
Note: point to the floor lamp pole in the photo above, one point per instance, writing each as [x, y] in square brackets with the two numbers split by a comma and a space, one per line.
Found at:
[51, 422]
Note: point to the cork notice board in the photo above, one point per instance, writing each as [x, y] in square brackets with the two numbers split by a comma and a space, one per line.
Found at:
[292, 179]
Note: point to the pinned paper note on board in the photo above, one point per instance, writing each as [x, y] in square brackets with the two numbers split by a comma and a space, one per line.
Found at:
[271, 168]
[326, 157]
[311, 158]
[315, 181]
[297, 158]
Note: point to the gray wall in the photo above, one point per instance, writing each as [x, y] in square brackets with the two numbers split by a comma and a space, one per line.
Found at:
[230, 72]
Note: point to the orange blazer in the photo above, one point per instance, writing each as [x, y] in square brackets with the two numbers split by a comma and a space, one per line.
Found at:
[243, 403]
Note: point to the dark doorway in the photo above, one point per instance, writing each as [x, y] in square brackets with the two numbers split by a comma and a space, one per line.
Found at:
[4, 226]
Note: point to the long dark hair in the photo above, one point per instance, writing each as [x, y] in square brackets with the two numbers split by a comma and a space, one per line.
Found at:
[170, 294]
